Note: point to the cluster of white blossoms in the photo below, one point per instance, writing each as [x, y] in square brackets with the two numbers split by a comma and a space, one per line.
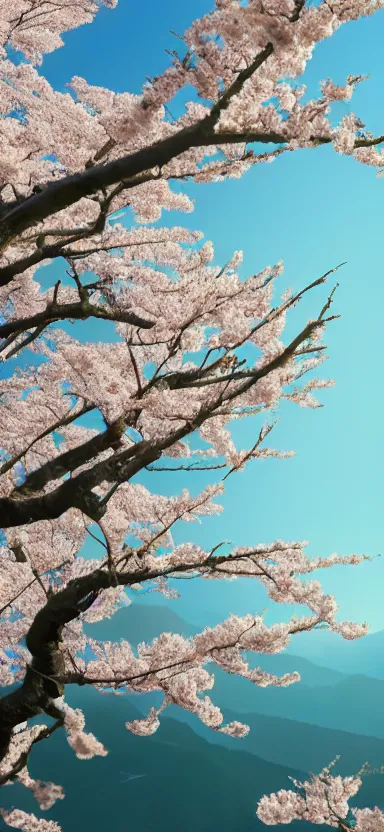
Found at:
[195, 347]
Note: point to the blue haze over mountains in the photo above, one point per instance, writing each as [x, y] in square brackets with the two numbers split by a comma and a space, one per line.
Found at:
[325, 209]
[187, 777]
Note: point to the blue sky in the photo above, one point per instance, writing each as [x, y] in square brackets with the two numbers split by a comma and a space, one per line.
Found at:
[313, 209]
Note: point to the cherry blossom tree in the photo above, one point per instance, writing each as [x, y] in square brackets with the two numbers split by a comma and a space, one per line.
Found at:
[83, 176]
[322, 800]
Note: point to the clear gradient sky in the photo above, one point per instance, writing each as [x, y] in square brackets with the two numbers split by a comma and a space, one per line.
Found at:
[313, 209]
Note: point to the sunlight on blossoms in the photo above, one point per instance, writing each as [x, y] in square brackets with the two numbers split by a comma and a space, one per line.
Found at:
[136, 352]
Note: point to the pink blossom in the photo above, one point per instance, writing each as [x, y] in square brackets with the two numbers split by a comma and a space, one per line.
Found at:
[144, 727]
[321, 800]
[196, 347]
[235, 729]
[28, 822]
[46, 794]
[85, 745]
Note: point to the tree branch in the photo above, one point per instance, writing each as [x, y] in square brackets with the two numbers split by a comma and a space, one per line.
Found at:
[121, 467]
[38, 690]
[46, 677]
[23, 759]
[76, 311]
[72, 459]
[59, 195]
[58, 424]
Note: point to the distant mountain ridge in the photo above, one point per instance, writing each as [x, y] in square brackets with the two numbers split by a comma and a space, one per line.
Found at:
[325, 696]
[363, 656]
[140, 622]
[174, 780]
[143, 622]
[324, 650]
[294, 744]
[355, 704]
[189, 778]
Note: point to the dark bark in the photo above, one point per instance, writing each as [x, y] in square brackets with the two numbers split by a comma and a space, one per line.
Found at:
[59, 195]
[39, 688]
[72, 311]
[70, 460]
[77, 492]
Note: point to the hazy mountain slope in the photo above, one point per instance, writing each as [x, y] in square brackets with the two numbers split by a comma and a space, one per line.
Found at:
[354, 704]
[178, 780]
[294, 744]
[365, 655]
[174, 780]
[310, 673]
[324, 697]
[331, 655]
[191, 779]
[140, 622]
[143, 622]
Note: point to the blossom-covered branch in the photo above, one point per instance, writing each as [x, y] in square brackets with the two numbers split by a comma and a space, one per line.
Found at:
[231, 387]
[73, 311]
[239, 57]
[324, 799]
[45, 677]
[195, 348]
